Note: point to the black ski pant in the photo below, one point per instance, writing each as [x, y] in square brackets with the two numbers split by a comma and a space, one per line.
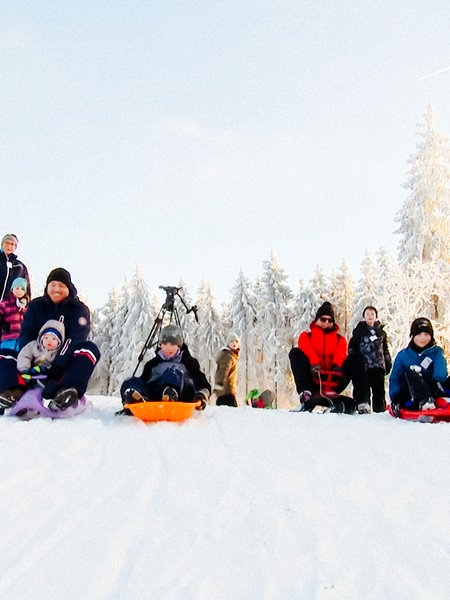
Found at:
[353, 369]
[375, 383]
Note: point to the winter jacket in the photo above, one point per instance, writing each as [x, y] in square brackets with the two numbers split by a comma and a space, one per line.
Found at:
[373, 345]
[191, 364]
[226, 374]
[11, 317]
[324, 347]
[33, 353]
[431, 360]
[72, 312]
[10, 268]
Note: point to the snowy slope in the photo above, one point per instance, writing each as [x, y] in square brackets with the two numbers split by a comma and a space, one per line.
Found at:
[232, 504]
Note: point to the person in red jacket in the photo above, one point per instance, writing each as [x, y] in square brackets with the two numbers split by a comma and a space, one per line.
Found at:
[321, 365]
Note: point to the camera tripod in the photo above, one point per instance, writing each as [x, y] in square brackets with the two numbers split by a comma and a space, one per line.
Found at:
[167, 307]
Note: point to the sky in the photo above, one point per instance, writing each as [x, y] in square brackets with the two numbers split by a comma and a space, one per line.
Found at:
[237, 504]
[192, 139]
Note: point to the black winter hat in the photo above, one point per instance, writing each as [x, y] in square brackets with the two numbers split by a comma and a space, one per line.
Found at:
[422, 324]
[325, 310]
[63, 276]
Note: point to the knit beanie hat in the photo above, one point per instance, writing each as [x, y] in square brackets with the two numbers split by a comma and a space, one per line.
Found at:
[422, 324]
[325, 310]
[10, 237]
[171, 334]
[63, 276]
[54, 327]
[233, 337]
[19, 282]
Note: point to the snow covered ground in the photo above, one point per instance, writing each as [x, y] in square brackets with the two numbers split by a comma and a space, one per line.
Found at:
[231, 504]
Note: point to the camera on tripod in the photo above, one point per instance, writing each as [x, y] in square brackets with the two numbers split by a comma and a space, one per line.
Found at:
[167, 307]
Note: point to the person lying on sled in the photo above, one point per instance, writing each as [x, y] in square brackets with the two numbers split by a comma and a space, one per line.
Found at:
[419, 374]
[171, 375]
[322, 367]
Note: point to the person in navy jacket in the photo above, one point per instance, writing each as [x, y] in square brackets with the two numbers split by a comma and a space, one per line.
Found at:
[10, 266]
[67, 379]
[419, 372]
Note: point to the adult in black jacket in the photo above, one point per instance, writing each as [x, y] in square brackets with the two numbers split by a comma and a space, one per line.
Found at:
[10, 266]
[66, 380]
[370, 339]
[172, 372]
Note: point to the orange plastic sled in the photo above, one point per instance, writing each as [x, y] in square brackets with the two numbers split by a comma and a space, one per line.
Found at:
[162, 411]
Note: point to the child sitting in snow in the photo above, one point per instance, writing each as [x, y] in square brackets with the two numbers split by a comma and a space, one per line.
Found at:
[226, 372]
[37, 356]
[12, 312]
[419, 371]
[173, 374]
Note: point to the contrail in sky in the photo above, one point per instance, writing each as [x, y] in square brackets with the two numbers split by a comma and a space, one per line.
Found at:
[435, 73]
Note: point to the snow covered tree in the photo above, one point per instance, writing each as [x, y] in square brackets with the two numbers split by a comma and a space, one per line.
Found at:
[342, 298]
[425, 216]
[365, 290]
[209, 334]
[273, 330]
[305, 308]
[103, 333]
[242, 317]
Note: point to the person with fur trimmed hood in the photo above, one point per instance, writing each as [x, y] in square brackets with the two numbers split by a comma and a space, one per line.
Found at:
[67, 378]
[171, 375]
[322, 350]
[226, 374]
[419, 373]
[370, 339]
[10, 266]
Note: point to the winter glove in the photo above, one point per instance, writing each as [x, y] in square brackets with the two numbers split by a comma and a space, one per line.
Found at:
[55, 372]
[416, 368]
[200, 396]
[315, 369]
[26, 375]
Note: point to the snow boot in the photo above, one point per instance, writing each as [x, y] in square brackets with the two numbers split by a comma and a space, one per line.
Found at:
[63, 399]
[169, 394]
[9, 397]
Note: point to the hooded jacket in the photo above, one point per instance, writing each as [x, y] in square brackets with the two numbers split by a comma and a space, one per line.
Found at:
[324, 347]
[34, 353]
[74, 315]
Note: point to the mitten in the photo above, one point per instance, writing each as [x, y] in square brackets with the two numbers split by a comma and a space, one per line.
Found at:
[38, 370]
[26, 375]
[315, 369]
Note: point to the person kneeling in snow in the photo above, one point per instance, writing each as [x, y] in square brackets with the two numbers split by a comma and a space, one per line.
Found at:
[419, 374]
[172, 375]
[68, 376]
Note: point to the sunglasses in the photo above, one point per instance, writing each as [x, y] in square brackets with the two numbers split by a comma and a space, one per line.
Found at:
[326, 320]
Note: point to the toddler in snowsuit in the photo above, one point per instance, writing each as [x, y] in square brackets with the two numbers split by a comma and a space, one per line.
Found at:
[419, 372]
[173, 374]
[370, 339]
[37, 356]
[12, 312]
[226, 373]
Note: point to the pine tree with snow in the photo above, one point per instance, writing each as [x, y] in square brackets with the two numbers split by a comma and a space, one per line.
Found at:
[424, 219]
[342, 297]
[273, 331]
[209, 334]
[365, 290]
[102, 335]
[242, 317]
